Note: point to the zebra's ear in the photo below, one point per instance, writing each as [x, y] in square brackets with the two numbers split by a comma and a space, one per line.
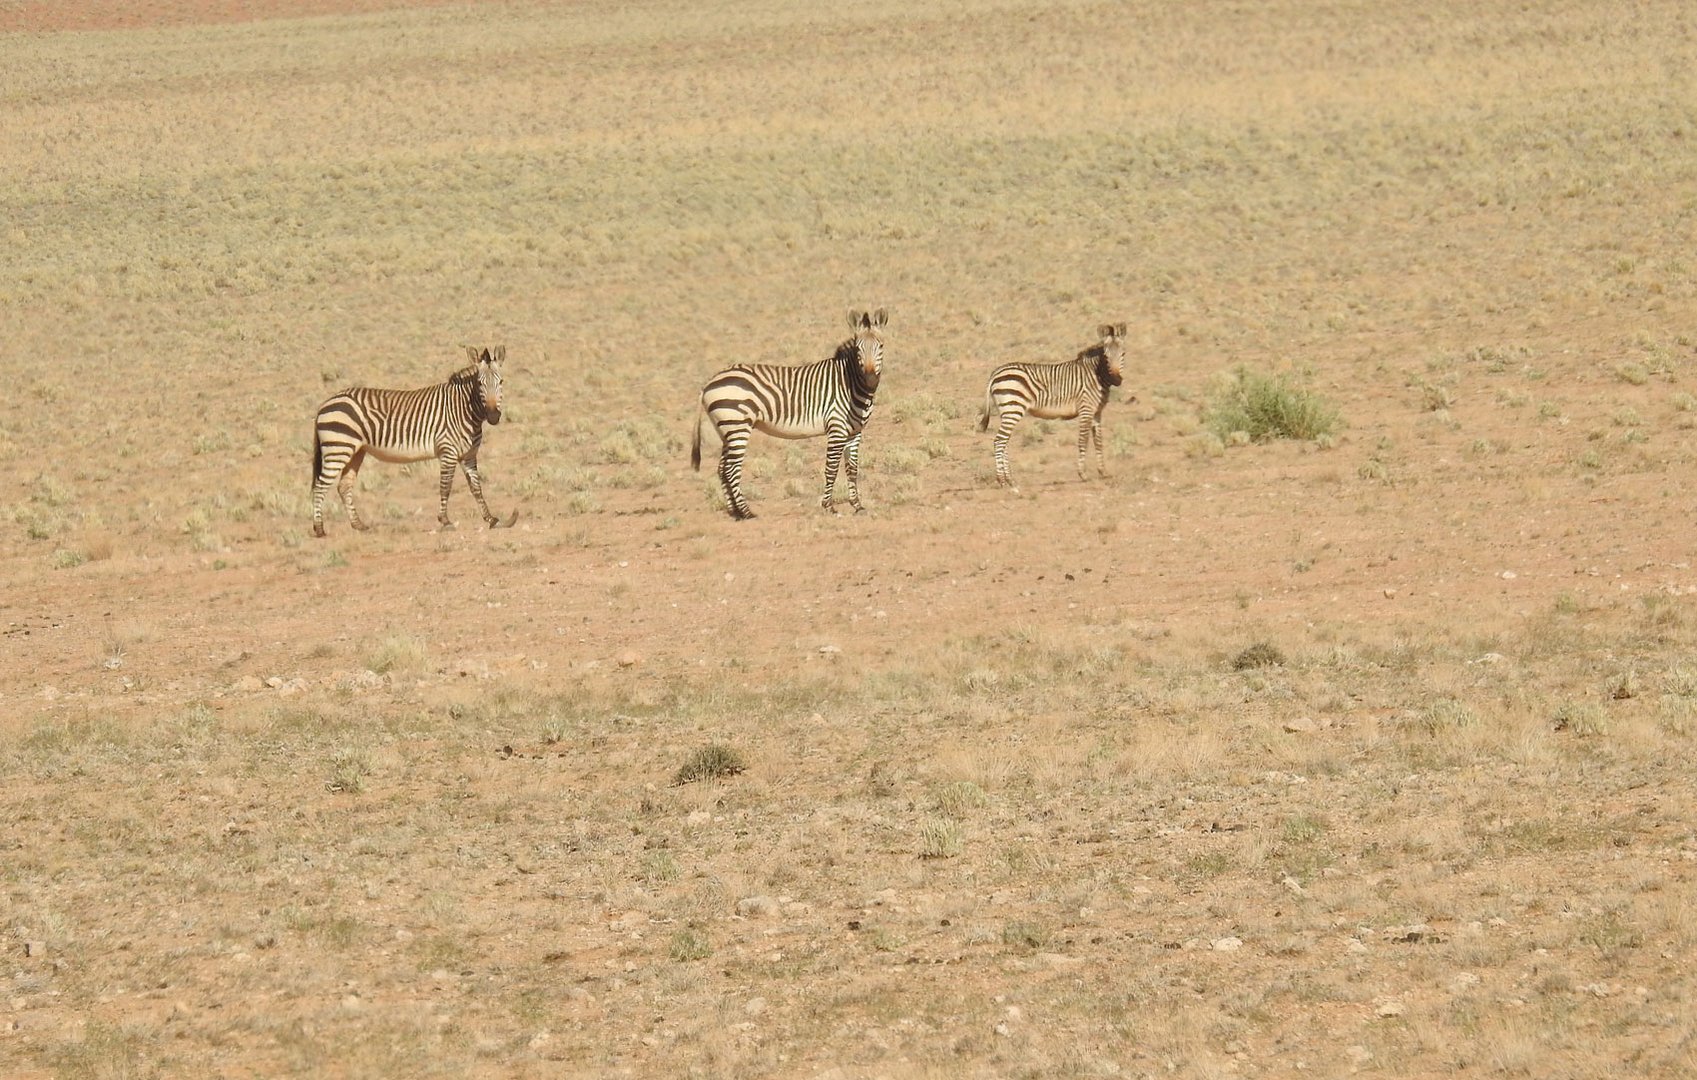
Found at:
[472, 351]
[498, 353]
[1105, 331]
[854, 318]
[880, 317]
[1119, 331]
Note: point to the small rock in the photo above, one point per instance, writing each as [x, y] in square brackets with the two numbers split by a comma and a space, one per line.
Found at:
[754, 1006]
[1389, 1009]
[247, 684]
[1358, 1055]
[1509, 575]
[1293, 885]
[274, 681]
[1390, 594]
[1463, 982]
[35, 948]
[830, 650]
[352, 1003]
[629, 658]
[539, 1040]
[49, 693]
[291, 688]
[1300, 724]
[756, 907]
[698, 817]
[1227, 944]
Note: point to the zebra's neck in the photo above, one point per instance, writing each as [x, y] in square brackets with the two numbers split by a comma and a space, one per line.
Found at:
[466, 385]
[1095, 360]
[848, 357]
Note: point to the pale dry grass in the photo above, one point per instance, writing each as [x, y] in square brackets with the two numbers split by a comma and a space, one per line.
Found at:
[994, 837]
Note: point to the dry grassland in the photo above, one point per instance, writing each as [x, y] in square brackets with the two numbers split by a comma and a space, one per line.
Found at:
[1371, 754]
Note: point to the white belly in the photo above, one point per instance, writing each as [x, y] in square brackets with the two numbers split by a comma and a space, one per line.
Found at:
[1054, 412]
[402, 454]
[789, 430]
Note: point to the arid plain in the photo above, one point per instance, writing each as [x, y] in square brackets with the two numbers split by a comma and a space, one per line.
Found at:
[1368, 755]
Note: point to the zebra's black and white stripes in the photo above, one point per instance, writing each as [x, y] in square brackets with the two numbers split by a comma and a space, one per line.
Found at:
[444, 421]
[832, 398]
[1056, 392]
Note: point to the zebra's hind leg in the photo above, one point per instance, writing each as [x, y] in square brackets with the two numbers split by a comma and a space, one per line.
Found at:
[1004, 432]
[345, 488]
[851, 468]
[730, 473]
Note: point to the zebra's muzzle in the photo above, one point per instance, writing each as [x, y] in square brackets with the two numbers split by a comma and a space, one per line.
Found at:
[492, 415]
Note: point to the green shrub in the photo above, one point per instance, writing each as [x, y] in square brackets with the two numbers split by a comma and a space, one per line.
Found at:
[1266, 407]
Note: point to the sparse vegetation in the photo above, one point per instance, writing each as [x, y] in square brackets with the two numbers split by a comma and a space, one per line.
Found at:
[1258, 406]
[711, 762]
[231, 848]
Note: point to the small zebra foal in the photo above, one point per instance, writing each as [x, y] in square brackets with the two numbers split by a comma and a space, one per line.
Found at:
[832, 398]
[1057, 392]
[444, 421]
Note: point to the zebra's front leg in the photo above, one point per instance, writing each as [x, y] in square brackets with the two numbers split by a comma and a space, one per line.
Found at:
[1004, 432]
[851, 469]
[1084, 421]
[475, 482]
[449, 460]
[1096, 437]
[345, 489]
[835, 445]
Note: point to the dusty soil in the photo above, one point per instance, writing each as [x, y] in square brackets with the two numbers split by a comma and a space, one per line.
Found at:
[402, 802]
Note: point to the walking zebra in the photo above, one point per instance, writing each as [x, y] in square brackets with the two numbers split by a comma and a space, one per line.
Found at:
[832, 398]
[444, 421]
[1056, 392]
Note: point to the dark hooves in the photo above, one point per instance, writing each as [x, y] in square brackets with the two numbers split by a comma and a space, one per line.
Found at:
[497, 523]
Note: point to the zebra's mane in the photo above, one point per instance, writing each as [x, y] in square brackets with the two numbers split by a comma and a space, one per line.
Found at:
[1094, 355]
[464, 376]
[846, 352]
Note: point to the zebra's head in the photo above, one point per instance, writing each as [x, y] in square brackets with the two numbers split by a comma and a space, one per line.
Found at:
[488, 363]
[868, 342]
[1110, 368]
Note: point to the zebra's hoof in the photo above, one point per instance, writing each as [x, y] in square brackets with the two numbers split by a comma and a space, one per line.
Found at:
[318, 532]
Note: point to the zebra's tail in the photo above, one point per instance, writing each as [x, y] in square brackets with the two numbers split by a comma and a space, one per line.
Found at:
[695, 445]
[317, 455]
[984, 417]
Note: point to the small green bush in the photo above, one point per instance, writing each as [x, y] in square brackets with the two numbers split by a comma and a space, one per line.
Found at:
[1266, 407]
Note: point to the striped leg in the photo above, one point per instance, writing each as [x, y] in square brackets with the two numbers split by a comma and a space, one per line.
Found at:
[730, 469]
[852, 468]
[836, 442]
[449, 459]
[1010, 419]
[345, 487]
[1086, 420]
[475, 482]
[1096, 434]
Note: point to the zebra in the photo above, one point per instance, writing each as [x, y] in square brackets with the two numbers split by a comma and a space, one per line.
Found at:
[1056, 392]
[444, 421]
[832, 397]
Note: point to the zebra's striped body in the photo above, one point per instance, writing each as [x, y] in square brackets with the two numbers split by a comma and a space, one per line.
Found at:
[832, 398]
[1056, 392]
[444, 421]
